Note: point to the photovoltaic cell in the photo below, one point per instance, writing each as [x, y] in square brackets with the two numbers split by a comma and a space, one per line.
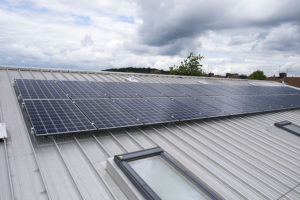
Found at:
[225, 108]
[104, 113]
[243, 108]
[39, 89]
[80, 89]
[142, 90]
[176, 109]
[146, 112]
[56, 116]
[165, 89]
[292, 101]
[213, 90]
[237, 90]
[263, 103]
[123, 104]
[187, 91]
[205, 110]
[114, 89]
[207, 90]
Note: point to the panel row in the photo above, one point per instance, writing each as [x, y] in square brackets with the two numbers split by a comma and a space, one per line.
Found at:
[65, 116]
[49, 89]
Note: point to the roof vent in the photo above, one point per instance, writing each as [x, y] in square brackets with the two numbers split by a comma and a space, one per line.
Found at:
[131, 79]
[202, 82]
[3, 133]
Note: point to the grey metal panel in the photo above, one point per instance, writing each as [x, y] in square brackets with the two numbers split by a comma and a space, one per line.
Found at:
[5, 179]
[26, 180]
[238, 157]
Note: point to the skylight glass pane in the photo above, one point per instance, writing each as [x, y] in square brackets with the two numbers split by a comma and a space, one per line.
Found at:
[166, 181]
[293, 128]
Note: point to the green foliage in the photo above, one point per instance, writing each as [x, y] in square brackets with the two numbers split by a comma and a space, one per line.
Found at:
[156, 71]
[242, 76]
[257, 75]
[138, 70]
[190, 66]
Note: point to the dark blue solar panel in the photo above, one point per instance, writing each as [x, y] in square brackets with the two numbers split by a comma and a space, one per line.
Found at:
[114, 89]
[141, 89]
[225, 108]
[204, 109]
[292, 101]
[144, 111]
[176, 109]
[127, 108]
[277, 102]
[243, 108]
[165, 89]
[39, 89]
[80, 89]
[262, 103]
[237, 90]
[187, 91]
[283, 90]
[56, 116]
[207, 90]
[104, 113]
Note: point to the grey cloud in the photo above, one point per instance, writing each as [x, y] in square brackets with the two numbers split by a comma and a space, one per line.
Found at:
[167, 21]
[87, 41]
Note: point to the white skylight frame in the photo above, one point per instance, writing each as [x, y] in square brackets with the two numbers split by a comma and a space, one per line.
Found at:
[286, 125]
[123, 162]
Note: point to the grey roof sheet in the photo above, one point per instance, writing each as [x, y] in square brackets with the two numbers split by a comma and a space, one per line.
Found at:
[242, 157]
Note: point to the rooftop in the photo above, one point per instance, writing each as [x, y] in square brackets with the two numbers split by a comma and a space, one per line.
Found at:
[242, 157]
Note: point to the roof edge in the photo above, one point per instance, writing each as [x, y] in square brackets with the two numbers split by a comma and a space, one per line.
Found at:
[39, 69]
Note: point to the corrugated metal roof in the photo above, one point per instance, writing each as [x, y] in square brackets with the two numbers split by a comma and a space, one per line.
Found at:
[243, 157]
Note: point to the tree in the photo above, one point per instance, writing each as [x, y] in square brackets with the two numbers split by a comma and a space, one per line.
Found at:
[156, 71]
[257, 75]
[190, 66]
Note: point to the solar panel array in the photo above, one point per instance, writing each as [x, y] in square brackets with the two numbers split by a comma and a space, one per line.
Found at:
[56, 107]
[56, 116]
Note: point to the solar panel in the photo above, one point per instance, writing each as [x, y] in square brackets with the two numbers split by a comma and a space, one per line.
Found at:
[263, 103]
[276, 102]
[144, 111]
[104, 113]
[225, 108]
[165, 89]
[204, 109]
[39, 89]
[243, 108]
[187, 91]
[56, 116]
[80, 89]
[142, 90]
[237, 90]
[176, 109]
[207, 90]
[105, 105]
[114, 89]
[292, 101]
[284, 90]
[253, 101]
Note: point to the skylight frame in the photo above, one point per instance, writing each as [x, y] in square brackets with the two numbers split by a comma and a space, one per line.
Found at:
[142, 186]
[283, 125]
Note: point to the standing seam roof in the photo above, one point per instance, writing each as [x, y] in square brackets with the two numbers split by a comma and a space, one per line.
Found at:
[243, 157]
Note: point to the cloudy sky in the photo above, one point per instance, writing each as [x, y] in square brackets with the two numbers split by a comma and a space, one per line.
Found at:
[233, 36]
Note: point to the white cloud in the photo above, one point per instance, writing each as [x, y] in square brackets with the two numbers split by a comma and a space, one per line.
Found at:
[233, 36]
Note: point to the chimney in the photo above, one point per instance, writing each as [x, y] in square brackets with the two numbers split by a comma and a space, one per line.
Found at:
[282, 75]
